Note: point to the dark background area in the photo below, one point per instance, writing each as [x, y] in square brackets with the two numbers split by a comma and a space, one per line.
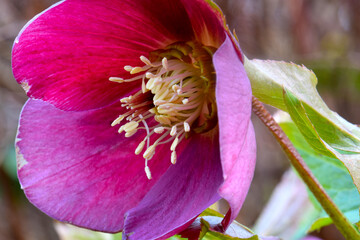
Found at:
[324, 35]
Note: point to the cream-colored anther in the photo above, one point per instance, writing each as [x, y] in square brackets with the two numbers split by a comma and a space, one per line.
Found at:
[117, 121]
[186, 127]
[159, 102]
[185, 101]
[159, 130]
[179, 91]
[143, 86]
[175, 88]
[148, 173]
[125, 99]
[128, 68]
[140, 147]
[173, 157]
[174, 144]
[150, 84]
[173, 131]
[149, 153]
[165, 63]
[131, 126]
[149, 75]
[136, 70]
[129, 134]
[121, 129]
[145, 60]
[116, 79]
[163, 119]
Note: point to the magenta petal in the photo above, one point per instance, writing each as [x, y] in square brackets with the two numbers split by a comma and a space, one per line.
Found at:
[207, 22]
[237, 138]
[78, 169]
[183, 192]
[66, 54]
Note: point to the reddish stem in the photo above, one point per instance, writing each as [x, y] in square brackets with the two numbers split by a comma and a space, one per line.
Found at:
[340, 221]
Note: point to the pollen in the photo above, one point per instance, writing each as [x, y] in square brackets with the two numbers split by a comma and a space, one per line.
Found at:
[176, 98]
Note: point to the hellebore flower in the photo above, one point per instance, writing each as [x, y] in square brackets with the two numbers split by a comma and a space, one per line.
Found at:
[139, 115]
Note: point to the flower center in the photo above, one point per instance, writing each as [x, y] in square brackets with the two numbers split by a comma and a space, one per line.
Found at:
[177, 91]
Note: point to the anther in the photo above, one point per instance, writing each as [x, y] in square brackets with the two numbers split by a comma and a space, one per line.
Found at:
[149, 75]
[159, 130]
[145, 60]
[140, 147]
[149, 153]
[121, 129]
[174, 144]
[130, 126]
[173, 157]
[148, 173]
[117, 121]
[116, 79]
[173, 131]
[175, 87]
[185, 101]
[136, 70]
[129, 134]
[128, 68]
[165, 63]
[186, 127]
[143, 86]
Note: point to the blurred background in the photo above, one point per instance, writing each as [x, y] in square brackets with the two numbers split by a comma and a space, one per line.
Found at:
[324, 35]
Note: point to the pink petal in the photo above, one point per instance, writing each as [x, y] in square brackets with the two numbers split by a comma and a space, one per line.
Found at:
[183, 192]
[237, 139]
[207, 21]
[76, 168]
[66, 54]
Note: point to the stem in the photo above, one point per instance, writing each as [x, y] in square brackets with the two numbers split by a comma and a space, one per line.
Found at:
[341, 222]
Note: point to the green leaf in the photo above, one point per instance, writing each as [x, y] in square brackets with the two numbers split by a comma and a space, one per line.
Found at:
[242, 233]
[292, 88]
[332, 175]
[211, 212]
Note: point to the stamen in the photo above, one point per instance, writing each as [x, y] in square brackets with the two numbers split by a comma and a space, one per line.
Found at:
[145, 60]
[159, 130]
[128, 68]
[174, 144]
[148, 173]
[130, 126]
[136, 70]
[139, 148]
[173, 131]
[117, 120]
[177, 91]
[149, 153]
[116, 79]
[165, 63]
[173, 157]
[129, 134]
[186, 127]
